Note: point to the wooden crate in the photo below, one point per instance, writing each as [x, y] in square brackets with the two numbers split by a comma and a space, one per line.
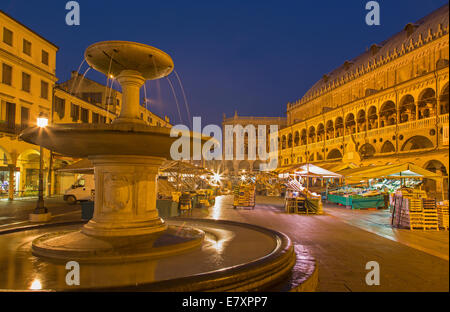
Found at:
[442, 211]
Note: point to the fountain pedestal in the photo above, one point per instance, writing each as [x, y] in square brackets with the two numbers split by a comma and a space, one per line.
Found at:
[125, 196]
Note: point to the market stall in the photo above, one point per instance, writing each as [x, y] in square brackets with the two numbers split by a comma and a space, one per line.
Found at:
[373, 186]
[299, 197]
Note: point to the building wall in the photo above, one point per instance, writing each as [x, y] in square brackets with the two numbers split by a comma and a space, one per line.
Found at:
[20, 108]
[395, 109]
[235, 166]
[19, 105]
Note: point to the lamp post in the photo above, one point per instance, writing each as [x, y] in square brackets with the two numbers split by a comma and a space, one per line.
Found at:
[41, 213]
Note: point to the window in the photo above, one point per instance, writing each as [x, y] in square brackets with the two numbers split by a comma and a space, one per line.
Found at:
[60, 107]
[74, 112]
[95, 117]
[24, 117]
[7, 36]
[117, 102]
[6, 74]
[149, 119]
[92, 97]
[26, 47]
[102, 119]
[84, 115]
[44, 57]
[26, 82]
[44, 89]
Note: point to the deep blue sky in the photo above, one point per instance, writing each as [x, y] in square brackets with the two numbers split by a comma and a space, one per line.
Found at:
[253, 56]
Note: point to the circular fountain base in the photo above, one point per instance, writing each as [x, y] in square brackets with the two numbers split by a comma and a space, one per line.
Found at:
[230, 256]
[78, 246]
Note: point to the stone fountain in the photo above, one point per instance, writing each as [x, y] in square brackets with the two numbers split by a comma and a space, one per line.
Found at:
[126, 156]
[126, 244]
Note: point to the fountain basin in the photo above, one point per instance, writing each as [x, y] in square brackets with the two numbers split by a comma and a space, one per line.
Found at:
[83, 140]
[112, 57]
[232, 257]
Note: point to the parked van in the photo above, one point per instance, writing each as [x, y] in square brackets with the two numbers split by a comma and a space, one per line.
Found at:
[83, 189]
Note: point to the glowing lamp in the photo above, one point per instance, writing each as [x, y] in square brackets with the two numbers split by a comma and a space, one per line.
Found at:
[42, 122]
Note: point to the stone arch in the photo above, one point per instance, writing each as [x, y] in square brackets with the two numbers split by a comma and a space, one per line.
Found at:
[303, 137]
[28, 162]
[283, 142]
[289, 141]
[407, 108]
[334, 154]
[5, 157]
[350, 124]
[361, 120]
[430, 185]
[320, 132]
[296, 138]
[444, 100]
[229, 166]
[388, 114]
[256, 165]
[417, 142]
[330, 129]
[387, 147]
[244, 165]
[311, 134]
[311, 157]
[427, 103]
[339, 127]
[372, 117]
[367, 150]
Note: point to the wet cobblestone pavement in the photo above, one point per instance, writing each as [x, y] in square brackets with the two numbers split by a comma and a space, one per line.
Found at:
[342, 246]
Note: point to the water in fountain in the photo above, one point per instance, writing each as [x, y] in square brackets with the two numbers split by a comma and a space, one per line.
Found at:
[184, 96]
[78, 73]
[81, 80]
[176, 99]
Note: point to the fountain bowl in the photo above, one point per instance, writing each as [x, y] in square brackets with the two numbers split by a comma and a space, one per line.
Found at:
[112, 57]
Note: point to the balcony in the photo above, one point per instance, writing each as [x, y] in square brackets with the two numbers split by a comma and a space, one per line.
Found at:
[8, 128]
[380, 132]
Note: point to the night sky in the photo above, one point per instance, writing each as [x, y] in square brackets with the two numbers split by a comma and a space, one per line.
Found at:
[250, 56]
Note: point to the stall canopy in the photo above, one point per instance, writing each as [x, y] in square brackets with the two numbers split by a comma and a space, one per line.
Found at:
[310, 170]
[394, 171]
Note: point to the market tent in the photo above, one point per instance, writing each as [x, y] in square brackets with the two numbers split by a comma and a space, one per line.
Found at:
[286, 169]
[394, 171]
[339, 167]
[310, 170]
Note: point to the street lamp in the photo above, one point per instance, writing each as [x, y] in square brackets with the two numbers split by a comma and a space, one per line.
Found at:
[41, 213]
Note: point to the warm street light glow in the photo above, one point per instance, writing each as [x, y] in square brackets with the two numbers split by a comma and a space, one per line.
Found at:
[217, 177]
[36, 285]
[243, 178]
[111, 76]
[42, 122]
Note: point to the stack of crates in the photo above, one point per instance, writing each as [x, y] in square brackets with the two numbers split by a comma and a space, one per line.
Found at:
[415, 213]
[430, 215]
[236, 196]
[245, 196]
[442, 211]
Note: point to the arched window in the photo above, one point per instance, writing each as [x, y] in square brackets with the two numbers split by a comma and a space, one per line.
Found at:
[407, 108]
[388, 114]
[427, 103]
[372, 118]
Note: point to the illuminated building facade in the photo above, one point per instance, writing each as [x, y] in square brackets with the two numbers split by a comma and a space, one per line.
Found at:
[388, 105]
